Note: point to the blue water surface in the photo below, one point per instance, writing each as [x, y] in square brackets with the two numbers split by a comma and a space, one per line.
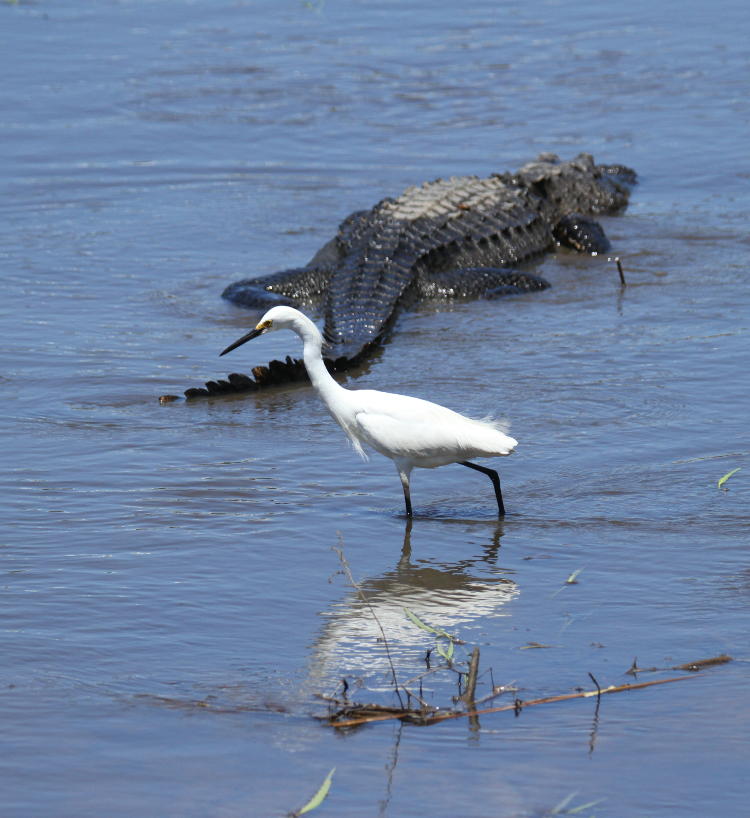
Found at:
[172, 608]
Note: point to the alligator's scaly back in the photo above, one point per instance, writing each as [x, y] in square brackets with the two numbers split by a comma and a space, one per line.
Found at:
[439, 226]
[449, 224]
[450, 237]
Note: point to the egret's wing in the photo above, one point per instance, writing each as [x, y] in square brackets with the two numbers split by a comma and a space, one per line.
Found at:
[425, 433]
[395, 437]
[431, 440]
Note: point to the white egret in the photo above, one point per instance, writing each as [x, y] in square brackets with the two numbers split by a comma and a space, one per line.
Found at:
[410, 431]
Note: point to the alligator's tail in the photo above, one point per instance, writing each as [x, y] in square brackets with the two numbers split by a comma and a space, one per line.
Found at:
[277, 373]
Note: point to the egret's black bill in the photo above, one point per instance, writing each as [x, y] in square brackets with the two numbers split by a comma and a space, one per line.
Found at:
[240, 341]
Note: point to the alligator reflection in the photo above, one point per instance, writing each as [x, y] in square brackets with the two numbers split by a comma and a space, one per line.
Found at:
[441, 594]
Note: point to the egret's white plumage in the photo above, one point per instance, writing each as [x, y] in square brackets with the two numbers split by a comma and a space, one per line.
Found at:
[410, 431]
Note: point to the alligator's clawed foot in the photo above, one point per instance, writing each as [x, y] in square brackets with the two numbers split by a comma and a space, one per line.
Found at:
[582, 234]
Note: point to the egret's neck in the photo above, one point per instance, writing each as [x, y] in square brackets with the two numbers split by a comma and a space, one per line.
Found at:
[312, 355]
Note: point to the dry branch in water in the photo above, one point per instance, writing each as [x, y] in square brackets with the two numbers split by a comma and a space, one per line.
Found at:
[471, 681]
[416, 717]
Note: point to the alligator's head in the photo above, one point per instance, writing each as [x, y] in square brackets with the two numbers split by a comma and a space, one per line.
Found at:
[578, 185]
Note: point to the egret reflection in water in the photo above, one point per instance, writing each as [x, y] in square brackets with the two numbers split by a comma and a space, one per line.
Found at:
[446, 595]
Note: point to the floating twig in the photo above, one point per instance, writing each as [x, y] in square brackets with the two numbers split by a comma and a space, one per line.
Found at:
[498, 690]
[419, 698]
[722, 659]
[701, 663]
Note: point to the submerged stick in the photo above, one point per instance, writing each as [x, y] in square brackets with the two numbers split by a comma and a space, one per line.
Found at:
[619, 270]
[598, 688]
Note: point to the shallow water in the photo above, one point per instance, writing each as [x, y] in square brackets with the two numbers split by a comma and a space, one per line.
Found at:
[171, 601]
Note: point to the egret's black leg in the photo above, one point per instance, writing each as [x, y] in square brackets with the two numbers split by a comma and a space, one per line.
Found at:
[404, 475]
[495, 477]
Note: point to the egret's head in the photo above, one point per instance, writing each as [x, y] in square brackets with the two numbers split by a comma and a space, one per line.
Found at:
[275, 318]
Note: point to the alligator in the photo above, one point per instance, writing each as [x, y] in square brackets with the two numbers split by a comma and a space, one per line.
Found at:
[452, 238]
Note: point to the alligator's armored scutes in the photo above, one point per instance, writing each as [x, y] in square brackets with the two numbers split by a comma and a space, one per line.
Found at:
[458, 237]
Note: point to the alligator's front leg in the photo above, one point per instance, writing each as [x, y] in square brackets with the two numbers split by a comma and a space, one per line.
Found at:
[291, 287]
[477, 282]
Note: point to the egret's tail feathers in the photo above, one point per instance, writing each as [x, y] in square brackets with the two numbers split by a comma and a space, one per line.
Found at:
[489, 437]
[501, 424]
